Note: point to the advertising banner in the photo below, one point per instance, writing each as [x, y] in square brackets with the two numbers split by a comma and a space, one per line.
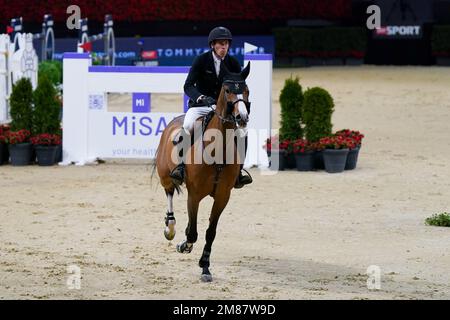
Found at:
[165, 51]
[403, 19]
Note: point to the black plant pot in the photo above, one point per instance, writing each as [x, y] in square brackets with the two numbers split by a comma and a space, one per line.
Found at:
[305, 161]
[59, 154]
[5, 156]
[290, 161]
[278, 160]
[46, 155]
[318, 160]
[3, 149]
[335, 159]
[352, 158]
[20, 153]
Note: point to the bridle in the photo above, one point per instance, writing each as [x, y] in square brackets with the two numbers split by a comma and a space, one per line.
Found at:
[236, 87]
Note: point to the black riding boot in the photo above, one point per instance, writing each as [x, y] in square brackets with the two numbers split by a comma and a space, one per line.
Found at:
[177, 173]
[242, 179]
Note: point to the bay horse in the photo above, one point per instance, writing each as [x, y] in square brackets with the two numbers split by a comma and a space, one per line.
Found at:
[203, 178]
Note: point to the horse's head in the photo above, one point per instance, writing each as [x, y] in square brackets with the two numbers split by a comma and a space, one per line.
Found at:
[235, 92]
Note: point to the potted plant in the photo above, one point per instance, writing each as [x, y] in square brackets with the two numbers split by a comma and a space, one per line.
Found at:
[318, 108]
[277, 152]
[46, 146]
[20, 148]
[46, 122]
[291, 100]
[21, 104]
[335, 152]
[304, 155]
[353, 153]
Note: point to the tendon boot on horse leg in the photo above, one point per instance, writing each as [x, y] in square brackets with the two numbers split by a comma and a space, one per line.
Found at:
[180, 142]
[204, 264]
[169, 230]
[242, 180]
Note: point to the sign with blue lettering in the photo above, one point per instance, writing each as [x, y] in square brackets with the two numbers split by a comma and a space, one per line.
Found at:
[166, 51]
[141, 102]
[127, 135]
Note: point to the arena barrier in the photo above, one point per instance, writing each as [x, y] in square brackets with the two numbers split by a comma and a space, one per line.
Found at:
[90, 131]
[107, 36]
[17, 59]
[47, 36]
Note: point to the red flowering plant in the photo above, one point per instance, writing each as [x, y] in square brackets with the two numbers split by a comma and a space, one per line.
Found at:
[301, 146]
[274, 143]
[337, 142]
[356, 136]
[16, 137]
[316, 146]
[46, 139]
[4, 129]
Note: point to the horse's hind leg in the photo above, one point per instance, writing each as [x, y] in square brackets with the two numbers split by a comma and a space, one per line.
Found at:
[169, 230]
[187, 245]
[220, 203]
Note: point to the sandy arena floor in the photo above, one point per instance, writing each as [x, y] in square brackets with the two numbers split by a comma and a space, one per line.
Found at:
[288, 236]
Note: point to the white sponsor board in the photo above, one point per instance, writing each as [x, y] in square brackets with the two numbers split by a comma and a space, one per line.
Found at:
[91, 131]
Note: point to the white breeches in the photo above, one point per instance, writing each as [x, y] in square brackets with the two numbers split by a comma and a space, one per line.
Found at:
[193, 114]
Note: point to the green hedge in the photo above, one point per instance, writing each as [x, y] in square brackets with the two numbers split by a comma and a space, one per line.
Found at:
[52, 69]
[21, 103]
[291, 100]
[318, 108]
[46, 107]
[329, 42]
[440, 41]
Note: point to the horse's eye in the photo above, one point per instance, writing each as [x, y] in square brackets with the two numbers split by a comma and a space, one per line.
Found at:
[227, 90]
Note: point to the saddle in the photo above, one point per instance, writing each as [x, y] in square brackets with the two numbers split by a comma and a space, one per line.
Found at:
[205, 121]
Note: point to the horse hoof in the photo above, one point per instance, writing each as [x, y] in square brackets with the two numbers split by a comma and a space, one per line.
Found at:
[169, 231]
[206, 277]
[184, 247]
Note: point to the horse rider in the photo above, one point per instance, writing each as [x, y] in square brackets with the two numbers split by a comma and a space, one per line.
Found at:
[202, 86]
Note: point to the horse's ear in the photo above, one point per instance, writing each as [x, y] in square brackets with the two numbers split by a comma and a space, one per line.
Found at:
[246, 71]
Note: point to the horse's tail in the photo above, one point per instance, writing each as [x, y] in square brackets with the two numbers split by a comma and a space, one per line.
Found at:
[154, 165]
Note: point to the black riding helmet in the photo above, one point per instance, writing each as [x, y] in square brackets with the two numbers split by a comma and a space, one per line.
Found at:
[219, 33]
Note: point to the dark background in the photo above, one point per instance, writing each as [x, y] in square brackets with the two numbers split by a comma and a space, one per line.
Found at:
[300, 13]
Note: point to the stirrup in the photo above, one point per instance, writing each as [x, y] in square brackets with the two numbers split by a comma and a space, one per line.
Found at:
[243, 180]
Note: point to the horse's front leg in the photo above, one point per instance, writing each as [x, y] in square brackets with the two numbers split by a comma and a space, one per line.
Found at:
[191, 229]
[220, 202]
